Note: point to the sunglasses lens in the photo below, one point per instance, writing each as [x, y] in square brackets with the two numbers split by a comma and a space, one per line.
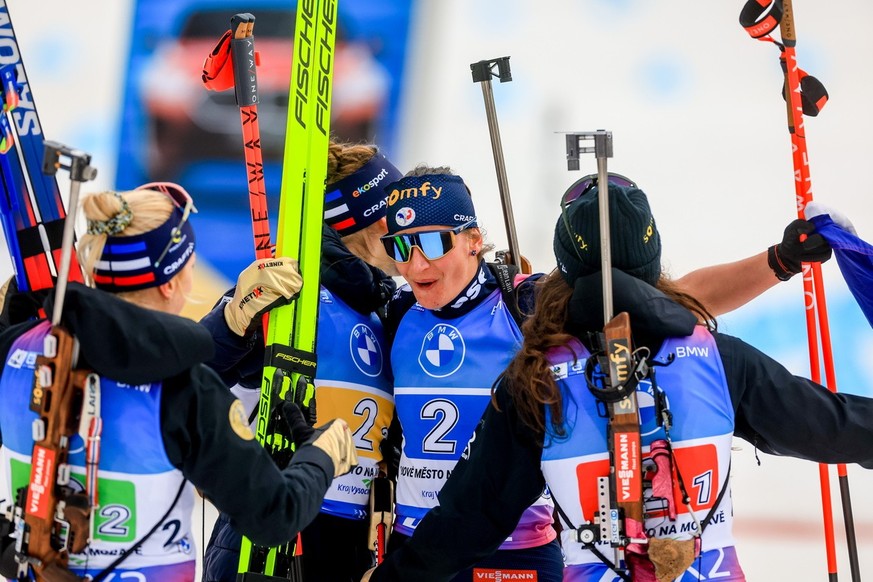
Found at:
[618, 180]
[433, 245]
[577, 189]
[585, 184]
[397, 247]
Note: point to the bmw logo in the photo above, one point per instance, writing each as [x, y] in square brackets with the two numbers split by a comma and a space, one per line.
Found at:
[442, 351]
[366, 351]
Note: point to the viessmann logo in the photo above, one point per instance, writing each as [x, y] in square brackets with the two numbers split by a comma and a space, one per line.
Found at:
[500, 575]
[41, 474]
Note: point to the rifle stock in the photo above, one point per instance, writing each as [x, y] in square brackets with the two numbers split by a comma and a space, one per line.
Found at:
[56, 518]
[626, 473]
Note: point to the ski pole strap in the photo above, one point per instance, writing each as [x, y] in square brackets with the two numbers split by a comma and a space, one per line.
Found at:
[217, 74]
[813, 95]
[761, 17]
[291, 359]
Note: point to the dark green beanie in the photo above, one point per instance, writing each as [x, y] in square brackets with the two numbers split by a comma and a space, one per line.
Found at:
[635, 242]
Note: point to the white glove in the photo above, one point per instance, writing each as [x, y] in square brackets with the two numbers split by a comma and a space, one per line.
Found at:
[263, 285]
[335, 439]
[817, 208]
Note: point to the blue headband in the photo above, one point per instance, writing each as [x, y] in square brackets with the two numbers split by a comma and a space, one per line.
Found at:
[130, 263]
[358, 200]
[430, 200]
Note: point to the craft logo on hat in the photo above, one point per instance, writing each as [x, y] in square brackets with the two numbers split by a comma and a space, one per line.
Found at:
[442, 351]
[365, 350]
[405, 216]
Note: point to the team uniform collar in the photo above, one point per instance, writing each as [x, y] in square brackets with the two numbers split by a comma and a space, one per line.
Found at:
[480, 286]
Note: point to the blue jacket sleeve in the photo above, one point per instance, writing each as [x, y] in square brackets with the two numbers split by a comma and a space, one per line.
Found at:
[238, 360]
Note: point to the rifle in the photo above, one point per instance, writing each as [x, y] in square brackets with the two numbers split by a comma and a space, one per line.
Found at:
[612, 373]
[483, 71]
[51, 518]
[620, 519]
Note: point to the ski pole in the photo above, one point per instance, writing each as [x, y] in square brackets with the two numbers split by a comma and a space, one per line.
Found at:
[483, 71]
[80, 171]
[232, 63]
[806, 95]
[802, 179]
[245, 82]
[245, 60]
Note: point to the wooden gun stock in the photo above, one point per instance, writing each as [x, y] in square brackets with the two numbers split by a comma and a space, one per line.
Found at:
[57, 518]
[624, 429]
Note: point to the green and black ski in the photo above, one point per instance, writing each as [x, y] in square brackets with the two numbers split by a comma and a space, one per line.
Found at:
[289, 366]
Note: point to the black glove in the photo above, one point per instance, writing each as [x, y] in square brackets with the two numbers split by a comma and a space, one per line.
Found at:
[17, 306]
[334, 438]
[8, 565]
[785, 258]
[391, 456]
[301, 431]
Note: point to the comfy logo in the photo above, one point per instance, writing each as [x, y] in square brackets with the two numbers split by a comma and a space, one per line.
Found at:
[423, 191]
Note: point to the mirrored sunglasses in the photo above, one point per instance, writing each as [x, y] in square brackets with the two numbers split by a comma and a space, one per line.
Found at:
[182, 200]
[584, 185]
[433, 244]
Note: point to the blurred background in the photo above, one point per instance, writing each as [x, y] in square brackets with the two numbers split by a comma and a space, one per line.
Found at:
[693, 102]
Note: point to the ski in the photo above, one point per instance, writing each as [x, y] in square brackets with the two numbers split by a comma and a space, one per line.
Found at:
[289, 365]
[31, 209]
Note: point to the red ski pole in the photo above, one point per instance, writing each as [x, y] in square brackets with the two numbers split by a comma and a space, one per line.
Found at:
[233, 63]
[806, 95]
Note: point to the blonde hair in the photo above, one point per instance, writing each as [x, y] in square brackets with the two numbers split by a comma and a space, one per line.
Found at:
[344, 159]
[149, 209]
